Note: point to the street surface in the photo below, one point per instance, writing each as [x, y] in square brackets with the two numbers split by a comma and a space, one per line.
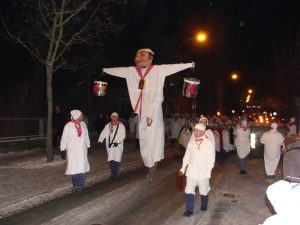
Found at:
[133, 200]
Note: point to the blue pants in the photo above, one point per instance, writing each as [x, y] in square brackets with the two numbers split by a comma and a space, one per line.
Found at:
[114, 168]
[78, 180]
[243, 164]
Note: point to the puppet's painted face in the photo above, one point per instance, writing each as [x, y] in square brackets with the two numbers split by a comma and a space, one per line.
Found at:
[143, 59]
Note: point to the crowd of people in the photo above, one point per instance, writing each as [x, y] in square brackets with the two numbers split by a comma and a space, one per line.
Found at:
[201, 137]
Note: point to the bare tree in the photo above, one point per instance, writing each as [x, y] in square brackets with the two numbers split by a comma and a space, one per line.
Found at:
[48, 29]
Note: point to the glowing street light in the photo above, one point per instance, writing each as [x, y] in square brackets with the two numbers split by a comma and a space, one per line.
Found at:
[201, 37]
[234, 76]
[250, 91]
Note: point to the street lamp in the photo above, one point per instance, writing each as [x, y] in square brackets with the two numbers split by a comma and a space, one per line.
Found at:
[200, 37]
[250, 91]
[234, 76]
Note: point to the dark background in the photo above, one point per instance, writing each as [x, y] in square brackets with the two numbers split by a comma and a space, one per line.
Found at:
[258, 39]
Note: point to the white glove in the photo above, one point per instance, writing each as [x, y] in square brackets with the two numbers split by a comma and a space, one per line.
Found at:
[193, 65]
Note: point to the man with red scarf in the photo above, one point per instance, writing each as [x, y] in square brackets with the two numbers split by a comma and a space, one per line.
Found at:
[145, 84]
[74, 144]
[114, 134]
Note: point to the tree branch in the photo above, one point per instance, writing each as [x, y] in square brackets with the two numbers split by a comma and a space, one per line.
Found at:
[18, 40]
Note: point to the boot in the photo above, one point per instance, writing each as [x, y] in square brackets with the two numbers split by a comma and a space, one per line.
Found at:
[204, 202]
[189, 204]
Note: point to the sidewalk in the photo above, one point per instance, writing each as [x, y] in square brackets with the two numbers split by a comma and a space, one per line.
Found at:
[28, 181]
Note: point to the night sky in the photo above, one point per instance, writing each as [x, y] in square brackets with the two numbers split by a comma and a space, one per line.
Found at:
[243, 37]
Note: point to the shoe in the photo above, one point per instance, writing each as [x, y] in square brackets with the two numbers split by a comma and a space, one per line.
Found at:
[188, 213]
[203, 208]
[242, 172]
[269, 181]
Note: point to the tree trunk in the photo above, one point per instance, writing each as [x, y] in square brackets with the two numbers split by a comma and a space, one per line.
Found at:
[49, 70]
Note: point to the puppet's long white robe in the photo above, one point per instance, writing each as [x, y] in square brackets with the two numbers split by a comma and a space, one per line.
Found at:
[152, 138]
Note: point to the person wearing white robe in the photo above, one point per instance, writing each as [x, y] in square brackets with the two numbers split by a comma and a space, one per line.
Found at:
[132, 122]
[145, 84]
[242, 143]
[197, 164]
[217, 138]
[226, 140]
[176, 126]
[208, 132]
[114, 134]
[273, 140]
[74, 143]
[284, 197]
[292, 129]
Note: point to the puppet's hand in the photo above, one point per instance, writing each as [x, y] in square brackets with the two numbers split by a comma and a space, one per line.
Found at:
[149, 122]
[193, 66]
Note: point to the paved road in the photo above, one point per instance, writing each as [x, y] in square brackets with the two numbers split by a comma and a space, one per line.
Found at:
[234, 200]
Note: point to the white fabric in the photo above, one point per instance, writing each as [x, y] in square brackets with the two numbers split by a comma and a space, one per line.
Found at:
[244, 122]
[217, 140]
[145, 50]
[152, 138]
[76, 148]
[113, 153]
[202, 119]
[203, 186]
[292, 129]
[242, 142]
[226, 142]
[199, 159]
[132, 123]
[175, 126]
[75, 114]
[273, 140]
[199, 126]
[274, 125]
[285, 198]
[114, 114]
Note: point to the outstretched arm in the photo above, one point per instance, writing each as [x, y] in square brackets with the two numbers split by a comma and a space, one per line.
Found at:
[174, 68]
[117, 71]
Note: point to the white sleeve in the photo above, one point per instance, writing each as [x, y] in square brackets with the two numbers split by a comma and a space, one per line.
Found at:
[211, 158]
[185, 160]
[122, 135]
[174, 68]
[117, 71]
[87, 138]
[103, 133]
[64, 138]
[262, 139]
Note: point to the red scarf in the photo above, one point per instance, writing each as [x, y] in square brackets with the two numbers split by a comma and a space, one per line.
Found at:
[78, 127]
[112, 124]
[139, 101]
[199, 139]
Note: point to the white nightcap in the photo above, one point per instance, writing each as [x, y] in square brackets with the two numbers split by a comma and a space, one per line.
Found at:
[145, 50]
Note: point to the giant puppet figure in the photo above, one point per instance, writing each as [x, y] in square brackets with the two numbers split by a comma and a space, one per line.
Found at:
[145, 86]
